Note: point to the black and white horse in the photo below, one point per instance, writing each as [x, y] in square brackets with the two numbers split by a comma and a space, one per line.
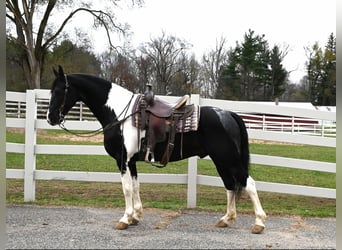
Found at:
[221, 134]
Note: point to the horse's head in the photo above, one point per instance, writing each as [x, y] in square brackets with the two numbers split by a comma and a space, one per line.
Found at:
[62, 98]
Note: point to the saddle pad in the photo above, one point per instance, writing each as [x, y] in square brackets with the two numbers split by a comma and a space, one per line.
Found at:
[190, 123]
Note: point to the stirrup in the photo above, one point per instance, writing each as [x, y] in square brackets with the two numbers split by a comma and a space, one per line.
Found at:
[152, 161]
[148, 153]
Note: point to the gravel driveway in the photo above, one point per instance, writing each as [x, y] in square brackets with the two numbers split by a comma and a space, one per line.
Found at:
[89, 228]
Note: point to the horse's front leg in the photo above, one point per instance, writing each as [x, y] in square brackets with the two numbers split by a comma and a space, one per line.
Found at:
[137, 205]
[130, 183]
[127, 187]
[133, 210]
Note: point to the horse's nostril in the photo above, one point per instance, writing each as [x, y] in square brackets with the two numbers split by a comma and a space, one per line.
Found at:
[50, 122]
[50, 119]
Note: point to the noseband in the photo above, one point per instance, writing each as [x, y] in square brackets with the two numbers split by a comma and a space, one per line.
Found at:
[61, 115]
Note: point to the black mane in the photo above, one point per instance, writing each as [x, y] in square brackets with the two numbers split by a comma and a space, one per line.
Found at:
[90, 84]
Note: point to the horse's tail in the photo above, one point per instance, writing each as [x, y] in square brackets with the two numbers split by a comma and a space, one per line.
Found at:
[243, 173]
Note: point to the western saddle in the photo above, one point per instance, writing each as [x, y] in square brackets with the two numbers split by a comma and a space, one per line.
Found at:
[159, 119]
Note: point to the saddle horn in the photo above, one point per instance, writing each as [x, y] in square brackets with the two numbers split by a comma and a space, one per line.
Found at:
[149, 95]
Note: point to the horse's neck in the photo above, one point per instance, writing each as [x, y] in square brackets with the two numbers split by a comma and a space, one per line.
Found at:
[118, 99]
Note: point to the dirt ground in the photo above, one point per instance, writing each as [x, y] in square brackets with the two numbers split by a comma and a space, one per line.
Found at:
[93, 228]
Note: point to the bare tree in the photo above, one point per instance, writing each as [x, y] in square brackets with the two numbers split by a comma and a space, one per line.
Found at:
[185, 79]
[212, 63]
[144, 71]
[35, 33]
[164, 52]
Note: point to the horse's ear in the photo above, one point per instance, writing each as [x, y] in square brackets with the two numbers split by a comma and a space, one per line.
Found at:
[60, 70]
[55, 72]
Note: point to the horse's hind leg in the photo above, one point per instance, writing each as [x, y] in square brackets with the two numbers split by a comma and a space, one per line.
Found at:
[259, 212]
[230, 216]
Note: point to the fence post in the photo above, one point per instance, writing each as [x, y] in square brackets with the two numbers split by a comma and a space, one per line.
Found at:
[18, 112]
[192, 182]
[30, 143]
[81, 111]
[192, 169]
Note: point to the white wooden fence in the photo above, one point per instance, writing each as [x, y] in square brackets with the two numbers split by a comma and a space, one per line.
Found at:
[30, 148]
[262, 121]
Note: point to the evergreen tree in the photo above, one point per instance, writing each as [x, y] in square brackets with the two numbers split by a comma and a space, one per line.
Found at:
[279, 74]
[73, 58]
[15, 79]
[253, 72]
[68, 54]
[329, 76]
[321, 76]
[229, 84]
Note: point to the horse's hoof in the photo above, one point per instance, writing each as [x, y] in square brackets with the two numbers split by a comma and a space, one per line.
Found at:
[135, 222]
[220, 223]
[121, 225]
[257, 229]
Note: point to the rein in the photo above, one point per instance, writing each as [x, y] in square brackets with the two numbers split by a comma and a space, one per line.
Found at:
[81, 134]
[99, 130]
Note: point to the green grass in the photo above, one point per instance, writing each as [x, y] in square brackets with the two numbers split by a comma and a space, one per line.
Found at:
[307, 152]
[169, 196]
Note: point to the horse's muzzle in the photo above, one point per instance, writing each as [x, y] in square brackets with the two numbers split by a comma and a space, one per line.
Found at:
[51, 123]
[54, 120]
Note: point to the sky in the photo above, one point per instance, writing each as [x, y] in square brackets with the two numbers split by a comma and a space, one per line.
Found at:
[293, 23]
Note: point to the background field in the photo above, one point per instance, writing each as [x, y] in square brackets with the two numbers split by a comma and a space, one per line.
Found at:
[169, 196]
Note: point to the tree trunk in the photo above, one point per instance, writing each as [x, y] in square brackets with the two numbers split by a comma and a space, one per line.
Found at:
[31, 67]
[32, 74]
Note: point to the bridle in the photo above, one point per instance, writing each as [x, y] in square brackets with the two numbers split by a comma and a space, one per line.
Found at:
[66, 89]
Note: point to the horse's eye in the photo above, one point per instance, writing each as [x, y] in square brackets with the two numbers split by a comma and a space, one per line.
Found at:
[58, 92]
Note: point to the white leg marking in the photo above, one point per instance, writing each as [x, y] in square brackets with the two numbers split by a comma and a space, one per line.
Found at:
[131, 188]
[130, 134]
[127, 187]
[230, 216]
[259, 212]
[137, 213]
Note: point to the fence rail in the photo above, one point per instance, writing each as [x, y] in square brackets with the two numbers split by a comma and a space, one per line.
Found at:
[16, 108]
[33, 117]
